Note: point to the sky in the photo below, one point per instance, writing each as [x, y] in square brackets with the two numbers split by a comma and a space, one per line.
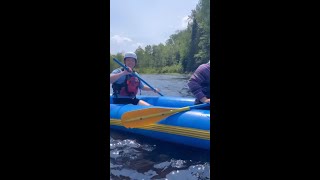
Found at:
[136, 23]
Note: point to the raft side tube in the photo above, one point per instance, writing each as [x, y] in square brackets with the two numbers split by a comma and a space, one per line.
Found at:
[197, 118]
[165, 101]
[165, 137]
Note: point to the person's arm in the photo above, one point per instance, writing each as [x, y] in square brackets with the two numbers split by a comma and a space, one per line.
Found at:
[205, 100]
[198, 77]
[115, 76]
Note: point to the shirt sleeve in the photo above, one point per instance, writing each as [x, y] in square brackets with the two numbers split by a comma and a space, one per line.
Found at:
[121, 79]
[116, 71]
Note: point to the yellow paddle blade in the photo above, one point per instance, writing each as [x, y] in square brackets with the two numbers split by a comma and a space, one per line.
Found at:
[144, 117]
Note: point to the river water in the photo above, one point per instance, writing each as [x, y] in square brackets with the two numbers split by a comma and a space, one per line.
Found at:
[136, 157]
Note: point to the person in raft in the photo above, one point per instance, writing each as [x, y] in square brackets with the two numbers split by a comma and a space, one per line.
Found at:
[199, 84]
[125, 85]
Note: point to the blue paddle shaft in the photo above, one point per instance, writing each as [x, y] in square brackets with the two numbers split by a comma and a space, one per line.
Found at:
[199, 106]
[126, 68]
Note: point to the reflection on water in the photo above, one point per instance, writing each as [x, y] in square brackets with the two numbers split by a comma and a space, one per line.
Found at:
[136, 157]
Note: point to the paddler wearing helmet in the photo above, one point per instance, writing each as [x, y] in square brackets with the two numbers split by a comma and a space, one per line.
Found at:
[125, 85]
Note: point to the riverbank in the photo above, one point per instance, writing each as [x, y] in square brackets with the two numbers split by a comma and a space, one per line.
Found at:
[153, 71]
[176, 69]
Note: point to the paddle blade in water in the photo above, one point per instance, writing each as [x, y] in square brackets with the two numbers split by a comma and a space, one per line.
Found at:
[144, 117]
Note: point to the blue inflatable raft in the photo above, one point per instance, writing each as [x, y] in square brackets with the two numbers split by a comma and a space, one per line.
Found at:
[191, 128]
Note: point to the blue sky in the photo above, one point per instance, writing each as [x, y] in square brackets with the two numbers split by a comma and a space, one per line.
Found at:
[146, 22]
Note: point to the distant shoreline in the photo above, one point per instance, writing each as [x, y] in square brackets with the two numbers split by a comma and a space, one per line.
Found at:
[185, 74]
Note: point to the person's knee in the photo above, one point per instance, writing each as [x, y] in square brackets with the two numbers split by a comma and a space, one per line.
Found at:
[143, 103]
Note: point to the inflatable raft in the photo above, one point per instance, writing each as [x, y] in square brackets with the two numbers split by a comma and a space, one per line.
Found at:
[191, 127]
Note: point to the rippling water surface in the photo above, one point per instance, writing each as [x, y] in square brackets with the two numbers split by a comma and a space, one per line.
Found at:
[136, 157]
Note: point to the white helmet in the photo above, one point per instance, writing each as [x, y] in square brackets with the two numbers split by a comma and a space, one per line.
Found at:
[130, 54]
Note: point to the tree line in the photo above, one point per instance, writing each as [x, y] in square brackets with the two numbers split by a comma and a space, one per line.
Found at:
[183, 52]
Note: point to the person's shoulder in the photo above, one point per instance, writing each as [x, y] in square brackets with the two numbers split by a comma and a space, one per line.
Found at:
[205, 66]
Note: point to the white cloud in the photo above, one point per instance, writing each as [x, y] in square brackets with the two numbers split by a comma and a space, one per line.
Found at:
[120, 39]
[123, 44]
[136, 45]
[184, 22]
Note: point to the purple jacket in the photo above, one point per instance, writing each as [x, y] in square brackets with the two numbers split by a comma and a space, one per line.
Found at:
[199, 82]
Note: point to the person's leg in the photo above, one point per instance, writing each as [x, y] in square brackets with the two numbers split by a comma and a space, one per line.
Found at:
[140, 102]
[143, 103]
[122, 101]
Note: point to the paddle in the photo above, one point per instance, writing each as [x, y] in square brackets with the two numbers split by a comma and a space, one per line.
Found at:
[144, 117]
[125, 67]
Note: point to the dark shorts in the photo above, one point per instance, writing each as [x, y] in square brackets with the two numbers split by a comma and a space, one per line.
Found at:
[133, 101]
